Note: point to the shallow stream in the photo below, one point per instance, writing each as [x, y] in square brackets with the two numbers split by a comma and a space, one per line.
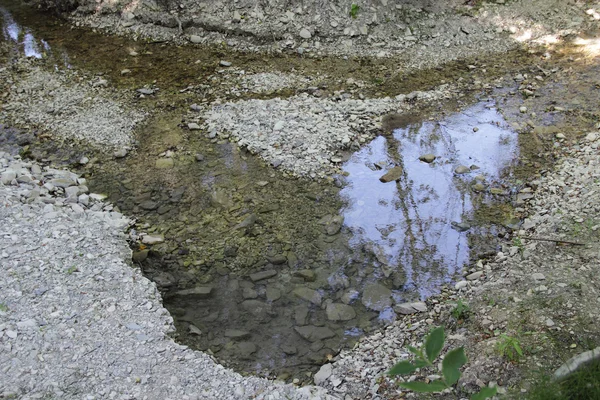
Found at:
[274, 275]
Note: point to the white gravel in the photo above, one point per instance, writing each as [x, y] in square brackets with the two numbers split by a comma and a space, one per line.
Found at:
[302, 134]
[77, 321]
[69, 107]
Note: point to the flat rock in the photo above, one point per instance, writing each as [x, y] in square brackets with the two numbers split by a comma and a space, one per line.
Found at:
[305, 33]
[392, 175]
[339, 312]
[200, 292]
[410, 308]
[259, 276]
[237, 334]
[323, 374]
[309, 295]
[153, 239]
[377, 297]
[246, 349]
[314, 333]
[306, 274]
[195, 39]
[461, 169]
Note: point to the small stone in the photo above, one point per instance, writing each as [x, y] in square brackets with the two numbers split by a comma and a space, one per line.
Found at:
[461, 284]
[377, 297]
[461, 169]
[199, 157]
[306, 274]
[140, 256]
[224, 63]
[153, 239]
[393, 174]
[323, 374]
[410, 308]
[237, 334]
[259, 276]
[428, 158]
[339, 312]
[120, 153]
[314, 333]
[200, 292]
[195, 39]
[474, 276]
[560, 136]
[8, 176]
[84, 160]
[126, 72]
[305, 33]
[549, 323]
[538, 276]
[591, 137]
[192, 126]
[523, 109]
[309, 295]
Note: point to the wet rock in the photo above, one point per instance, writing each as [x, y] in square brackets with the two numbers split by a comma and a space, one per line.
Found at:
[153, 239]
[249, 293]
[460, 226]
[223, 63]
[237, 334]
[350, 296]
[392, 175]
[277, 259]
[164, 163]
[140, 256]
[149, 205]
[220, 198]
[306, 274]
[338, 281]
[164, 280]
[301, 315]
[314, 333]
[247, 223]
[376, 297]
[193, 329]
[246, 349]
[309, 295]
[428, 158]
[256, 307]
[334, 225]
[200, 292]
[273, 294]
[461, 169]
[289, 350]
[323, 374]
[410, 308]
[230, 251]
[339, 312]
[259, 276]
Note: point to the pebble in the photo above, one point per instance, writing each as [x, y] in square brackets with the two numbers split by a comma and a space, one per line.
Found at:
[195, 39]
[305, 33]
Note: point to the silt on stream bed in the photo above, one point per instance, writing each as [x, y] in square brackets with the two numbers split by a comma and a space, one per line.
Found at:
[273, 275]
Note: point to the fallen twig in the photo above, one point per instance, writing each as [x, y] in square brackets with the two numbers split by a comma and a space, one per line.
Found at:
[555, 241]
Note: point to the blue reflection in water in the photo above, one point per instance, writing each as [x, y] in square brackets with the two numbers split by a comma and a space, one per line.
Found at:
[408, 224]
[12, 31]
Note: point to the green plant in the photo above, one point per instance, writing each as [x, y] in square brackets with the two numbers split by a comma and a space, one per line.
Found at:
[3, 307]
[581, 384]
[509, 347]
[517, 242]
[451, 364]
[461, 310]
[71, 270]
[354, 8]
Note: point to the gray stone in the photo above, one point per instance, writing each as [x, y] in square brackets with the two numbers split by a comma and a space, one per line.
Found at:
[192, 126]
[305, 33]
[461, 284]
[149, 205]
[249, 293]
[237, 334]
[323, 374]
[474, 276]
[246, 349]
[339, 312]
[576, 362]
[63, 182]
[259, 276]
[306, 274]
[153, 239]
[273, 294]
[376, 297]
[120, 153]
[201, 292]
[277, 259]
[314, 333]
[309, 295]
[301, 315]
[256, 307]
[224, 63]
[195, 39]
[538, 276]
[140, 256]
[410, 308]
[392, 175]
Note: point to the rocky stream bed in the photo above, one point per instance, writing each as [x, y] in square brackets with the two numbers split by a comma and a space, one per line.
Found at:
[295, 210]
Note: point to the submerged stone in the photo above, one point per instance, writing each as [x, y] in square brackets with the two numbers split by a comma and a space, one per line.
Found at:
[393, 174]
[313, 333]
[377, 297]
[339, 312]
[309, 295]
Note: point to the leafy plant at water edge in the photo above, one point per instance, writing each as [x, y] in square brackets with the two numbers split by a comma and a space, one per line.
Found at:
[461, 310]
[354, 8]
[451, 364]
[509, 347]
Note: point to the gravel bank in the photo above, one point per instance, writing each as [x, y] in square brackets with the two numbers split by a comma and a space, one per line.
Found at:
[304, 134]
[420, 33]
[76, 320]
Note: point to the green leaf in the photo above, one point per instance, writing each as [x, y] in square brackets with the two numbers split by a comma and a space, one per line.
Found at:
[422, 387]
[421, 363]
[434, 343]
[451, 365]
[402, 368]
[414, 350]
[485, 393]
[517, 347]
